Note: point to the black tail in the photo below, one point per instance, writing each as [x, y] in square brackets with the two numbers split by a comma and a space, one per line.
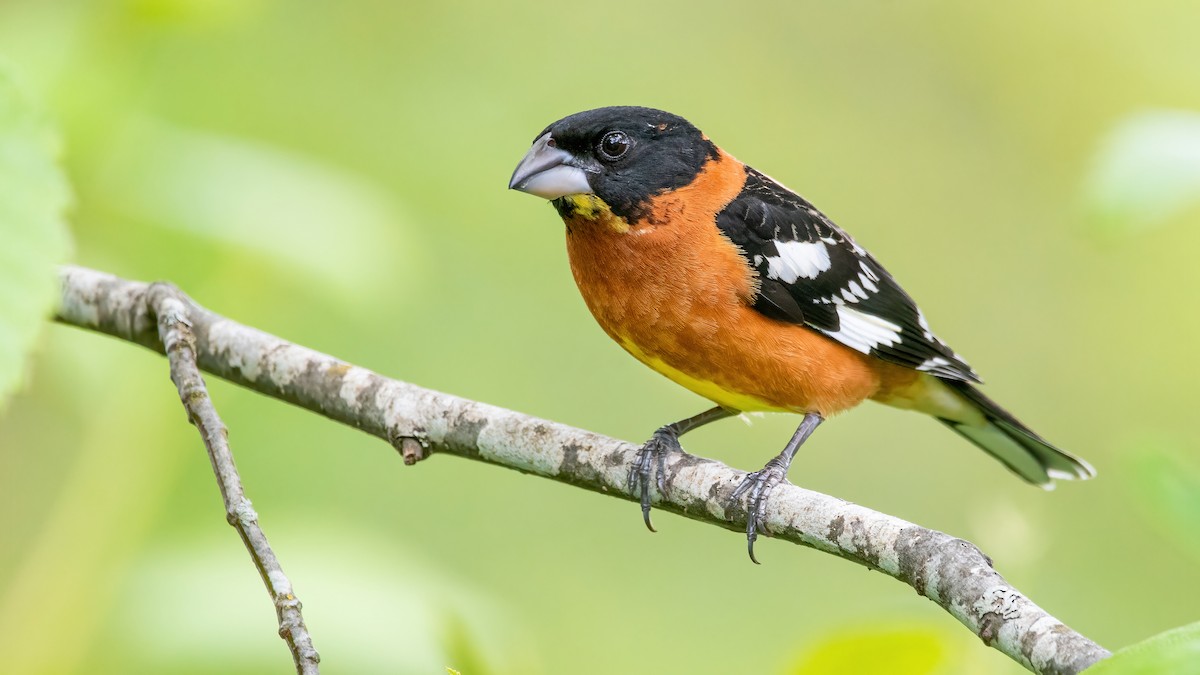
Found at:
[1016, 445]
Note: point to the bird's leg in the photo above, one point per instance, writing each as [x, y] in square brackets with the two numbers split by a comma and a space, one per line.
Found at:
[653, 455]
[760, 483]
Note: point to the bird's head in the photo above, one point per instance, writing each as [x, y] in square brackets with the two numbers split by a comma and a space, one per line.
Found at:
[621, 155]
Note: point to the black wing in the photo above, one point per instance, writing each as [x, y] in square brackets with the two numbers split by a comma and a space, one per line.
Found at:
[812, 273]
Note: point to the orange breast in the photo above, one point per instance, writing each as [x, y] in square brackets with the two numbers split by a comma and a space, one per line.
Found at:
[677, 294]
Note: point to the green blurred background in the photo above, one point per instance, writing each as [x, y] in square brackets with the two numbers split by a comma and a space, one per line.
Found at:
[335, 173]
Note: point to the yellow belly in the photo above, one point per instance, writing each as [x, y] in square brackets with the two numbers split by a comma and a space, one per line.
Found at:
[709, 390]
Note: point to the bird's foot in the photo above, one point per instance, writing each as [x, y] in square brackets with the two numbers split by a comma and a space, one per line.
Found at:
[652, 460]
[759, 485]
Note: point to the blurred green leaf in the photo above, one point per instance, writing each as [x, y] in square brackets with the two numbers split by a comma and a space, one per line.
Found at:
[1176, 651]
[1147, 171]
[898, 650]
[33, 236]
[1166, 486]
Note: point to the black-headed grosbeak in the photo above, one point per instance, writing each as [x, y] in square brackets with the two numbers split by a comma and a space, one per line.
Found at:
[737, 288]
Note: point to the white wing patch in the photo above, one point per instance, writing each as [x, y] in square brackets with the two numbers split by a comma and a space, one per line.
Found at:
[862, 331]
[868, 277]
[933, 363]
[854, 291]
[798, 259]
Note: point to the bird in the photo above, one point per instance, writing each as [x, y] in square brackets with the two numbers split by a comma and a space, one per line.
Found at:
[717, 276]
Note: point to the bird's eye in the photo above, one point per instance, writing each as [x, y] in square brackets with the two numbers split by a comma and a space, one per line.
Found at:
[614, 145]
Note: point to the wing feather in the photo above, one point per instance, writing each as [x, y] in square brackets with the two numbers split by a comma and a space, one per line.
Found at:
[814, 274]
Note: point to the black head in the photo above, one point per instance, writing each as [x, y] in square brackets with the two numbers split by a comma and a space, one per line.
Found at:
[624, 155]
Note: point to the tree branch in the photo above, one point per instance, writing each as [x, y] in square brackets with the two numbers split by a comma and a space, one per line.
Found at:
[178, 341]
[952, 572]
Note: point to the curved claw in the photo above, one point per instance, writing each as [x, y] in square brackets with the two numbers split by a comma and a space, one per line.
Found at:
[753, 512]
[652, 456]
[639, 477]
[759, 484]
[646, 515]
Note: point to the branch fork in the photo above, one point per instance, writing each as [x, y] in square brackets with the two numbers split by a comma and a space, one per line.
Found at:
[175, 332]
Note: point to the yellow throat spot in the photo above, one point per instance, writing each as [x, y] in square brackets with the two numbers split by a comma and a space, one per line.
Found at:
[709, 390]
[591, 207]
[587, 206]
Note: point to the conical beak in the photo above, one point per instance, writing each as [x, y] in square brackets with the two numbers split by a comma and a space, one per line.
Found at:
[548, 172]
